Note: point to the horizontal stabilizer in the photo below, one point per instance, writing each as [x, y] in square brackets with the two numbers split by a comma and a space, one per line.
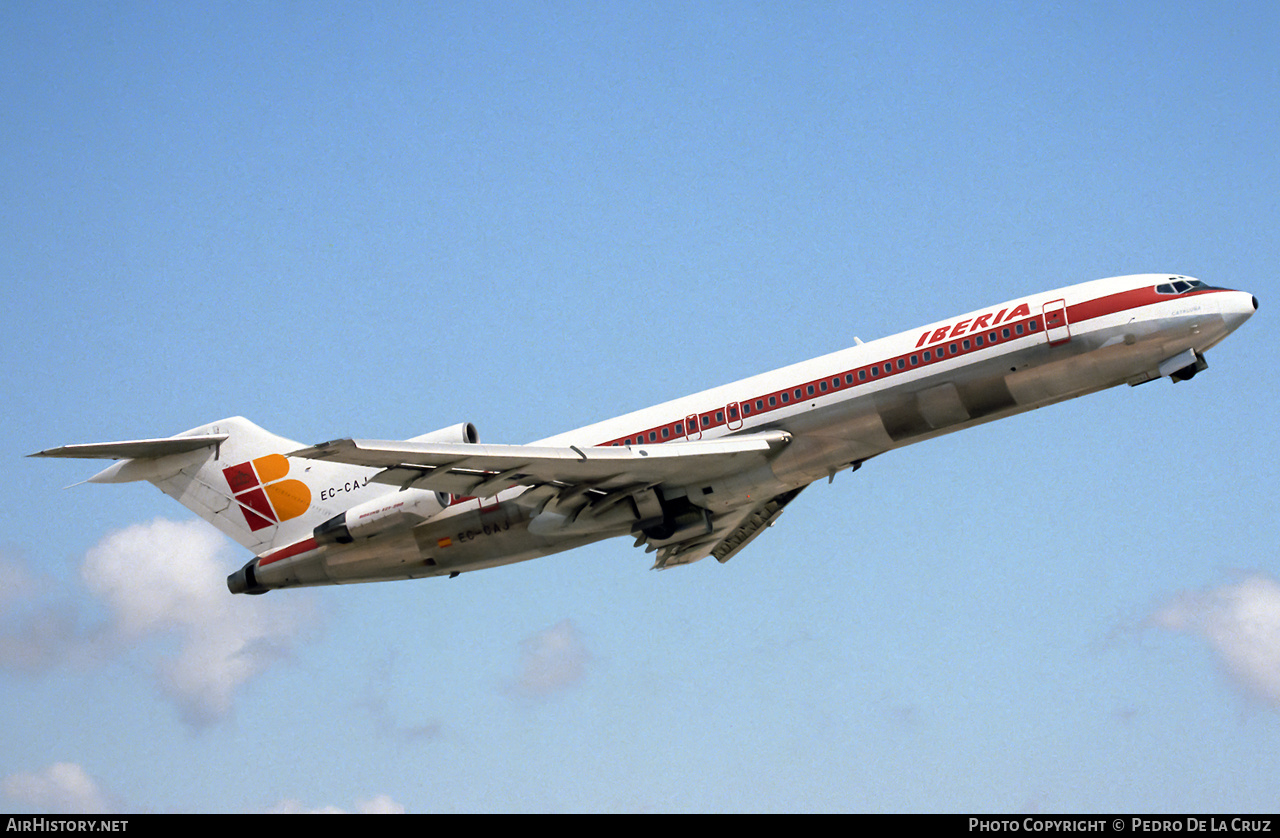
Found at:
[134, 448]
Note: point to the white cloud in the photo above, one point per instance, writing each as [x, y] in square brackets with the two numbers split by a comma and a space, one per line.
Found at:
[554, 659]
[379, 805]
[37, 630]
[62, 787]
[46, 634]
[169, 578]
[1241, 622]
[16, 582]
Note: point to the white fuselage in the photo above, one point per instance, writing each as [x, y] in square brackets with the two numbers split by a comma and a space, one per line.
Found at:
[840, 409]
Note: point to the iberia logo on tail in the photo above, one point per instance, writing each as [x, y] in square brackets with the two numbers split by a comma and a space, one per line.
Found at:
[264, 496]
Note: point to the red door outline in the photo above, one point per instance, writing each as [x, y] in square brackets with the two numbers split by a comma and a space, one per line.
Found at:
[733, 416]
[1056, 328]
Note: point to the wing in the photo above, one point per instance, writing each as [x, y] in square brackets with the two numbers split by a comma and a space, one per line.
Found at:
[582, 484]
[484, 470]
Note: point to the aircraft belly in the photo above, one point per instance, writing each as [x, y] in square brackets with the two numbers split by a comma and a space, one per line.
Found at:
[389, 554]
[953, 400]
[1108, 357]
[941, 406]
[829, 439]
[817, 455]
[489, 537]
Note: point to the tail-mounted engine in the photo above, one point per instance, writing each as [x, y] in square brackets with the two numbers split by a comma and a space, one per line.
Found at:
[403, 509]
[462, 432]
[398, 510]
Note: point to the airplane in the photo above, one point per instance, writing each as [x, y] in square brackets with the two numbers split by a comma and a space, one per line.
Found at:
[699, 476]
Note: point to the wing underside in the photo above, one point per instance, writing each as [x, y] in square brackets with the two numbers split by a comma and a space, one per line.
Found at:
[582, 483]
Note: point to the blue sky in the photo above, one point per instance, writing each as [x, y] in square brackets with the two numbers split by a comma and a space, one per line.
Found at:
[377, 220]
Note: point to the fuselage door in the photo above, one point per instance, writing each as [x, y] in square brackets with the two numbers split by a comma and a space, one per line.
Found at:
[691, 429]
[1056, 328]
[733, 416]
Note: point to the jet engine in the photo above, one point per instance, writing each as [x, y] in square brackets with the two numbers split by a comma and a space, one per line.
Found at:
[404, 509]
[461, 432]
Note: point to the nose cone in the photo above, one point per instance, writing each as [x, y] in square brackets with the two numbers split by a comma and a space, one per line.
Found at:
[1237, 307]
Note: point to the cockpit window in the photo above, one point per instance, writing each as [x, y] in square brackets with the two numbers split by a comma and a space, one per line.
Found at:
[1178, 285]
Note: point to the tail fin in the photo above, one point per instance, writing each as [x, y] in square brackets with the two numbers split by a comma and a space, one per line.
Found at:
[233, 474]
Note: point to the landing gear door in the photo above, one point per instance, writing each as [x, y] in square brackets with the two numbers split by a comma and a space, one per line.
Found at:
[1056, 327]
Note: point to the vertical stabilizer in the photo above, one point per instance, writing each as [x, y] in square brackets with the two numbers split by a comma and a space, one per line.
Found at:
[236, 476]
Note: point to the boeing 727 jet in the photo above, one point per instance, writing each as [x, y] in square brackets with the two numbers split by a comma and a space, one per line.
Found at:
[699, 476]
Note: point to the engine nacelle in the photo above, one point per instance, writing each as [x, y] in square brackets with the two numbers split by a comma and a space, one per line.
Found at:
[243, 581]
[461, 432]
[397, 510]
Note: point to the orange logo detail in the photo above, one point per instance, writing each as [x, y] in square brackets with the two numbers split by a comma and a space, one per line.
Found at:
[263, 495]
